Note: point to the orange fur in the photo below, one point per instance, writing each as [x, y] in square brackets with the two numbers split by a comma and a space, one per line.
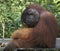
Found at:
[42, 35]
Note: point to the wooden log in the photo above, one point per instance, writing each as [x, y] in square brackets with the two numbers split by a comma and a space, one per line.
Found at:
[7, 40]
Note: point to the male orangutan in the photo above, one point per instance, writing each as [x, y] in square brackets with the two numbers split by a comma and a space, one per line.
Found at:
[40, 30]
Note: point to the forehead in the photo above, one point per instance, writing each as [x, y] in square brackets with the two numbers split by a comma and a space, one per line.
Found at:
[32, 11]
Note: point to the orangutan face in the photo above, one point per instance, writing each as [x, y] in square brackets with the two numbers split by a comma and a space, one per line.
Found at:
[30, 17]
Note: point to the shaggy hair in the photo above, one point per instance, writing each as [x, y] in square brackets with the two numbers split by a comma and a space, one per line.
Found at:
[42, 34]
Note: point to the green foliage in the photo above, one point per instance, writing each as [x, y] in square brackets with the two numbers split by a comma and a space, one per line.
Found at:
[10, 13]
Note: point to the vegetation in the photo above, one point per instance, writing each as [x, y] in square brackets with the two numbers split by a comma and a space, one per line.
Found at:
[10, 13]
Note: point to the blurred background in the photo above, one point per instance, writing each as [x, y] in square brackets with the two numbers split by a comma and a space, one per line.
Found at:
[11, 10]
